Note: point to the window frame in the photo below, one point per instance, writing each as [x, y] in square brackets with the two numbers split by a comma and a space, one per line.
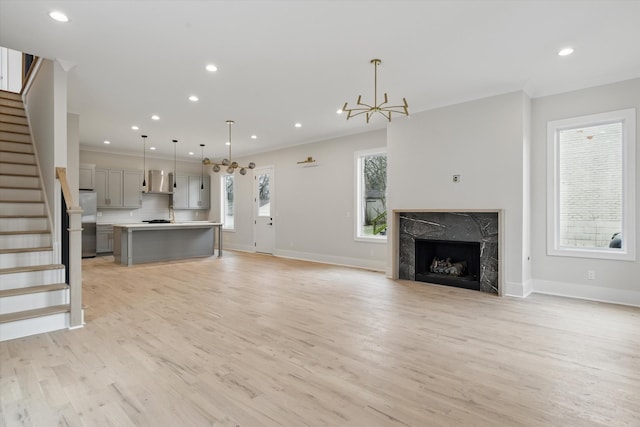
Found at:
[359, 185]
[628, 119]
[223, 201]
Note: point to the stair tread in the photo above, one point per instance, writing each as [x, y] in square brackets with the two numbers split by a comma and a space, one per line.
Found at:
[25, 269]
[21, 201]
[39, 312]
[26, 250]
[15, 142]
[22, 216]
[15, 152]
[17, 232]
[13, 187]
[19, 174]
[33, 289]
[18, 163]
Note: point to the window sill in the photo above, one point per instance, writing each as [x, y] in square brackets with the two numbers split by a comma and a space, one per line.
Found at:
[593, 254]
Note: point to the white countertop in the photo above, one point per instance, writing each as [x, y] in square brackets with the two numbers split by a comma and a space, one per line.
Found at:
[189, 224]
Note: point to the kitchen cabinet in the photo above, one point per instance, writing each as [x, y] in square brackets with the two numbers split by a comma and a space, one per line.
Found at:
[188, 195]
[104, 238]
[117, 188]
[132, 188]
[86, 176]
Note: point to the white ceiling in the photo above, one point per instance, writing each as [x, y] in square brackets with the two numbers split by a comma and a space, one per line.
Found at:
[282, 62]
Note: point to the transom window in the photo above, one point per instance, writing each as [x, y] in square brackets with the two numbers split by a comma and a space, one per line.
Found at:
[591, 186]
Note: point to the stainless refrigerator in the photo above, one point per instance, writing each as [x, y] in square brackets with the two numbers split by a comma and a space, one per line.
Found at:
[89, 205]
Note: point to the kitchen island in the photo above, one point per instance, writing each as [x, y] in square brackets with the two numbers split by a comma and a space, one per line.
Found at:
[141, 243]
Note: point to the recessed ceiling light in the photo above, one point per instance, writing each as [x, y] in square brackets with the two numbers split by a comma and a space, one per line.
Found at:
[134, 127]
[227, 143]
[212, 68]
[155, 117]
[339, 111]
[191, 153]
[152, 148]
[193, 98]
[58, 16]
[566, 51]
[298, 125]
[254, 136]
[107, 142]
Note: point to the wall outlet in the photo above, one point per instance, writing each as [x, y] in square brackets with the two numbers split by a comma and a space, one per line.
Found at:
[130, 213]
[455, 179]
[99, 213]
[591, 275]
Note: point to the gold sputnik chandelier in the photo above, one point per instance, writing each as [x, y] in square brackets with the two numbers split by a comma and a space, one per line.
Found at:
[230, 164]
[381, 108]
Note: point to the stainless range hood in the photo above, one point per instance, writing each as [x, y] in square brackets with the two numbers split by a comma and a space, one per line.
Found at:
[158, 182]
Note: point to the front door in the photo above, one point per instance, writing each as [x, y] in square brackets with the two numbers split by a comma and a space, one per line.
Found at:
[263, 200]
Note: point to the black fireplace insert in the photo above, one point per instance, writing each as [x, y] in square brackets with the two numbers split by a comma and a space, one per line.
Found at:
[448, 262]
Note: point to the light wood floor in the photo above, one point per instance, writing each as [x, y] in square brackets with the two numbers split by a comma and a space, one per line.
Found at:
[253, 340]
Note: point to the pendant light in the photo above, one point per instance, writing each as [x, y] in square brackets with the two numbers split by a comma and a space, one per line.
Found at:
[144, 160]
[175, 144]
[202, 168]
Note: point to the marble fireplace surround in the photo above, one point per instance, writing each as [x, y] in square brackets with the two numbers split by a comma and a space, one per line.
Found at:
[481, 225]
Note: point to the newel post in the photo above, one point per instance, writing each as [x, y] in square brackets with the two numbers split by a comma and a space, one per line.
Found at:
[75, 267]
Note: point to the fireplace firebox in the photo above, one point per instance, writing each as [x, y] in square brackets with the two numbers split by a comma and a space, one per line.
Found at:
[448, 262]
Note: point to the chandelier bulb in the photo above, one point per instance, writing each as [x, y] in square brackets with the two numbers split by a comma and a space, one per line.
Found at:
[243, 171]
[230, 170]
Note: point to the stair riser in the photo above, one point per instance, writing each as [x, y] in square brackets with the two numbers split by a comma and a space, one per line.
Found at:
[19, 181]
[9, 168]
[14, 137]
[5, 94]
[16, 120]
[15, 146]
[31, 278]
[12, 127]
[38, 325]
[29, 158]
[26, 259]
[25, 194]
[14, 103]
[25, 241]
[18, 224]
[22, 208]
[12, 111]
[34, 301]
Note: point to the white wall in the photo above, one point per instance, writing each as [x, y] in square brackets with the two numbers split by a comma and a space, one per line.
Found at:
[616, 281]
[154, 206]
[73, 153]
[314, 206]
[46, 107]
[484, 142]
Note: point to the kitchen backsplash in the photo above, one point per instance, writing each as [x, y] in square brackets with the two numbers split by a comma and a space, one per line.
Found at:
[154, 206]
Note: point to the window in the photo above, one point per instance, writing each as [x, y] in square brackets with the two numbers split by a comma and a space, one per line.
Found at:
[371, 189]
[591, 186]
[227, 195]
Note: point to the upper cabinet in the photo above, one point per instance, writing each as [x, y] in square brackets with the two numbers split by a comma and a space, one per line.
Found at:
[192, 192]
[118, 188]
[86, 176]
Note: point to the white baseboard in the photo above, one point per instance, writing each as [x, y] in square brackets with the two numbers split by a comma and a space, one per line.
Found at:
[237, 247]
[587, 292]
[518, 290]
[377, 265]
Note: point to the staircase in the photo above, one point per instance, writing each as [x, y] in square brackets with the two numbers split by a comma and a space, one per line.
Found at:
[33, 296]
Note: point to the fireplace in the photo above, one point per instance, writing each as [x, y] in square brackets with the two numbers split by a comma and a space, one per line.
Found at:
[468, 237]
[447, 262]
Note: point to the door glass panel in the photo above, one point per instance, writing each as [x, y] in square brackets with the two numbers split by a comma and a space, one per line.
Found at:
[264, 206]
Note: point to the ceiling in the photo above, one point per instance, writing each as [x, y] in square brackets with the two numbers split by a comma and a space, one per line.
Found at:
[282, 62]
